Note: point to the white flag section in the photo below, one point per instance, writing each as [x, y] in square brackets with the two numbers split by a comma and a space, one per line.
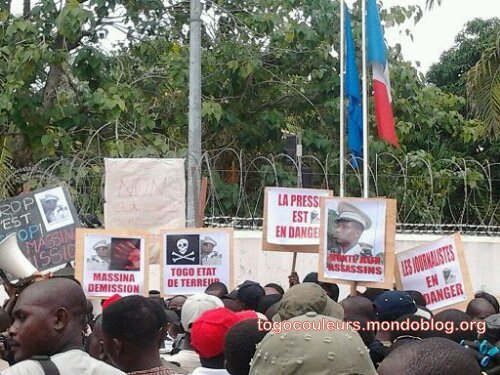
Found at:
[434, 270]
[144, 193]
[293, 215]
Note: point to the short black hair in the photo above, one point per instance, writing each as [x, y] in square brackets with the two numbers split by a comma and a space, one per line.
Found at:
[410, 332]
[431, 356]
[135, 319]
[457, 317]
[240, 345]
[490, 298]
[217, 286]
[277, 287]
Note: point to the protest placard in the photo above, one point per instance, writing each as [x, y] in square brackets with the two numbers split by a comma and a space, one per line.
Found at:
[145, 194]
[292, 219]
[44, 222]
[438, 270]
[193, 259]
[357, 241]
[111, 262]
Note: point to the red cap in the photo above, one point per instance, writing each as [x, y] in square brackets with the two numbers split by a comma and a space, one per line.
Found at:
[209, 330]
[110, 300]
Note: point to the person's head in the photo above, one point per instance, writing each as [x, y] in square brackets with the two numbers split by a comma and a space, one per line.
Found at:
[175, 304]
[331, 289]
[312, 351]
[207, 245]
[50, 201]
[96, 342]
[480, 309]
[372, 293]
[411, 327]
[392, 304]
[349, 225]
[454, 328]
[306, 297]
[102, 249]
[133, 328]
[196, 305]
[240, 344]
[492, 329]
[218, 289]
[273, 288]
[267, 301]
[155, 295]
[248, 294]
[417, 297]
[429, 357]
[358, 306]
[490, 298]
[49, 316]
[209, 331]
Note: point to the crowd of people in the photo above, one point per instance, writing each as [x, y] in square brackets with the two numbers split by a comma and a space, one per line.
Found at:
[49, 328]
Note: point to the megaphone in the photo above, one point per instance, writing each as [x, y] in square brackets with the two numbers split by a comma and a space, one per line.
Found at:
[12, 259]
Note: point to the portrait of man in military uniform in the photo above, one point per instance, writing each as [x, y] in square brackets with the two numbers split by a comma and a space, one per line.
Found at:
[208, 255]
[345, 227]
[102, 258]
[54, 211]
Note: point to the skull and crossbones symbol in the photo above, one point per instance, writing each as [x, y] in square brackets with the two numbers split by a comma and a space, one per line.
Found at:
[182, 248]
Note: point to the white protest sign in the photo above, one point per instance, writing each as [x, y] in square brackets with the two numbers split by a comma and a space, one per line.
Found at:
[292, 218]
[357, 240]
[193, 259]
[111, 262]
[436, 271]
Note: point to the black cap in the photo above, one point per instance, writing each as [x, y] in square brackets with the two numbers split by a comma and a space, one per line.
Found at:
[248, 293]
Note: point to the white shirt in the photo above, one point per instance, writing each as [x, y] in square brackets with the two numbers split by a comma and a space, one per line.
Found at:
[209, 371]
[96, 263]
[72, 362]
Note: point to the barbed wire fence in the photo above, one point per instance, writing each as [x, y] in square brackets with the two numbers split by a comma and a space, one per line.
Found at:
[434, 196]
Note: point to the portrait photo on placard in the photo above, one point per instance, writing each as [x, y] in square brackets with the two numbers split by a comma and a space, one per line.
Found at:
[183, 249]
[54, 208]
[98, 253]
[354, 239]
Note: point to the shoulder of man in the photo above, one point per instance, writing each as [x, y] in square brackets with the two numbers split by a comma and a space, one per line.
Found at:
[26, 367]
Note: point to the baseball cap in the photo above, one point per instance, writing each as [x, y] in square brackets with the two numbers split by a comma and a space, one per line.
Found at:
[392, 304]
[209, 330]
[249, 293]
[306, 297]
[312, 352]
[196, 305]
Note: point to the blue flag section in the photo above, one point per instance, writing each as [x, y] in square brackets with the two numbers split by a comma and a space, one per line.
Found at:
[353, 93]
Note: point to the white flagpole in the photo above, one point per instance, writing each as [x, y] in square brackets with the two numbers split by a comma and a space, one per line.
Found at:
[342, 115]
[365, 105]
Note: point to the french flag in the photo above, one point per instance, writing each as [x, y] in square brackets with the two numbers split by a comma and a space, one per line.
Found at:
[377, 58]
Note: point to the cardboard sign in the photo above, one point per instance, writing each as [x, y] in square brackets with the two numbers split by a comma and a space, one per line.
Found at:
[145, 194]
[193, 259]
[357, 241]
[111, 262]
[292, 219]
[438, 270]
[44, 221]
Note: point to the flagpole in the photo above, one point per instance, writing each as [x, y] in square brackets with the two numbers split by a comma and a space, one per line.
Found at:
[342, 114]
[365, 103]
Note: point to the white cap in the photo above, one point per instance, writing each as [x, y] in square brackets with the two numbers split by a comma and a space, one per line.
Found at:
[102, 243]
[50, 197]
[350, 212]
[196, 305]
[209, 240]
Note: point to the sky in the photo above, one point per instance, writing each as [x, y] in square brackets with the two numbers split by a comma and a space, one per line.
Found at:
[435, 32]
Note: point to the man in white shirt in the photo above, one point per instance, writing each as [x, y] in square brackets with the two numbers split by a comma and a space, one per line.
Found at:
[349, 226]
[49, 317]
[102, 259]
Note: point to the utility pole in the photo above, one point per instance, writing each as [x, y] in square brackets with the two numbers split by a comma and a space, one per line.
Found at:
[194, 142]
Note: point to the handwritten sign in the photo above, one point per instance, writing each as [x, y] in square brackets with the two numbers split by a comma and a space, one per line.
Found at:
[109, 262]
[357, 240]
[436, 270]
[292, 219]
[44, 222]
[145, 194]
[194, 259]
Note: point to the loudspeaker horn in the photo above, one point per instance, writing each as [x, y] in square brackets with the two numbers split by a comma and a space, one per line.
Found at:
[12, 259]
